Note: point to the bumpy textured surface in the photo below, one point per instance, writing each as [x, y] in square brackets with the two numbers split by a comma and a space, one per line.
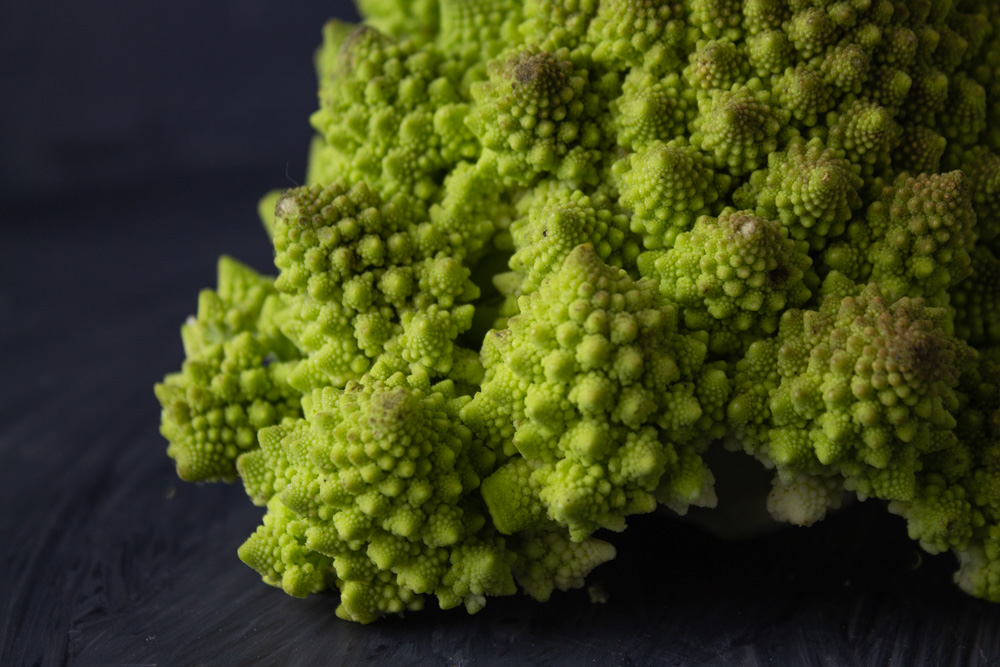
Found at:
[359, 276]
[235, 379]
[732, 275]
[551, 252]
[372, 489]
[602, 400]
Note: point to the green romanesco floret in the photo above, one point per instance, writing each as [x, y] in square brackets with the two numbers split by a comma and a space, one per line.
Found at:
[391, 113]
[549, 561]
[235, 379]
[920, 149]
[537, 114]
[976, 301]
[651, 108]
[628, 33]
[558, 220]
[982, 169]
[418, 18]
[915, 239]
[738, 127]
[599, 400]
[733, 276]
[552, 256]
[956, 505]
[556, 24]
[380, 476]
[358, 273]
[811, 189]
[667, 186]
[473, 32]
[867, 391]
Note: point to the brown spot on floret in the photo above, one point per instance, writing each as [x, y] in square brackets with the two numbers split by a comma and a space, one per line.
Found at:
[778, 277]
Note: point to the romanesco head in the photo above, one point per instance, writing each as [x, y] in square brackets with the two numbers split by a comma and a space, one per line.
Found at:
[549, 252]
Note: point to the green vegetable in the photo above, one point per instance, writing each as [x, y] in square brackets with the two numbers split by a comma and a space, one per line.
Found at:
[552, 256]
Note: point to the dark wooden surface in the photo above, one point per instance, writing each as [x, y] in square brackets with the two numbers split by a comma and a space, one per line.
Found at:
[107, 559]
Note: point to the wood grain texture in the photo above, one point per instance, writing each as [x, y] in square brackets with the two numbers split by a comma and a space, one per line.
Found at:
[110, 560]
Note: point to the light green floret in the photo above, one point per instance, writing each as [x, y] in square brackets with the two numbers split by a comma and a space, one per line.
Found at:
[739, 127]
[939, 46]
[979, 571]
[804, 499]
[475, 210]
[919, 151]
[234, 380]
[651, 109]
[556, 24]
[733, 276]
[979, 426]
[473, 32]
[928, 96]
[384, 479]
[964, 116]
[357, 273]
[866, 133]
[868, 392]
[428, 335]
[984, 65]
[811, 31]
[846, 68]
[278, 551]
[754, 377]
[888, 87]
[811, 189]
[602, 403]
[938, 516]
[763, 15]
[802, 91]
[401, 17]
[769, 52]
[898, 46]
[915, 239]
[716, 64]
[714, 19]
[539, 113]
[550, 561]
[667, 186]
[558, 220]
[391, 113]
[631, 33]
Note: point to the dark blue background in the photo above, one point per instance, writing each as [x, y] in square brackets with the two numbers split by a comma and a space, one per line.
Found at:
[136, 139]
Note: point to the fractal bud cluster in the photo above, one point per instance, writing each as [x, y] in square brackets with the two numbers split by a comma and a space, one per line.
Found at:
[552, 253]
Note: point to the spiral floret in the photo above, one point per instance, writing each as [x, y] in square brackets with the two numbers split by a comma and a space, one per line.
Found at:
[351, 268]
[608, 402]
[234, 380]
[738, 128]
[868, 391]
[811, 189]
[538, 114]
[733, 275]
[667, 186]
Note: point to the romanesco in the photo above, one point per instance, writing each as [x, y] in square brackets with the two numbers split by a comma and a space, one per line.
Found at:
[552, 255]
